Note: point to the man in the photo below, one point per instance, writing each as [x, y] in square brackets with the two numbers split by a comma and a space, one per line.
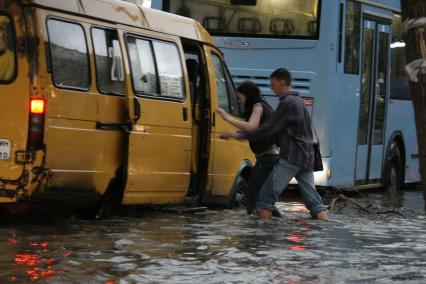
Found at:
[7, 57]
[292, 126]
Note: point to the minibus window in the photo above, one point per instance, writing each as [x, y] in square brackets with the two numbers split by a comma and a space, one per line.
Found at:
[143, 66]
[69, 55]
[109, 63]
[7, 54]
[221, 86]
[233, 101]
[169, 69]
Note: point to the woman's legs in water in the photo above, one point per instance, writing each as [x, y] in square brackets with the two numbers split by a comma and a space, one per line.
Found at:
[260, 172]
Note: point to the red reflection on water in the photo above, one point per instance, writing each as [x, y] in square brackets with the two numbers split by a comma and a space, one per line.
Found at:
[295, 238]
[44, 245]
[37, 265]
[33, 273]
[48, 273]
[27, 259]
[297, 248]
[111, 282]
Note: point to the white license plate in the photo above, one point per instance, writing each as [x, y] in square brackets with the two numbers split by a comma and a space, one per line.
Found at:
[4, 149]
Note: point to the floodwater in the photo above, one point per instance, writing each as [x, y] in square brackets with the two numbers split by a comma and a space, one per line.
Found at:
[223, 246]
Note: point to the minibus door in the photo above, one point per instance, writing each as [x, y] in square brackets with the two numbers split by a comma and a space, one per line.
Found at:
[226, 153]
[160, 136]
[14, 98]
[374, 98]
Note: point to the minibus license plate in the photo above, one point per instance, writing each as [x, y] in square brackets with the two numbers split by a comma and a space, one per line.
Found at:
[4, 149]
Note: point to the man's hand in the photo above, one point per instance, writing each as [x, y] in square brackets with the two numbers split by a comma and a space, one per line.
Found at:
[238, 135]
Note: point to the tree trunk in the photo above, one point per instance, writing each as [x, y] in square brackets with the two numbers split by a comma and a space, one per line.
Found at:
[415, 39]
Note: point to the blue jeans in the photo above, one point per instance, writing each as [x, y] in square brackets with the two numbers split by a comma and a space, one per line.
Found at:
[259, 174]
[278, 180]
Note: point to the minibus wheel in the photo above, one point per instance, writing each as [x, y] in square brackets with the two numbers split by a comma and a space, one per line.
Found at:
[393, 172]
[238, 199]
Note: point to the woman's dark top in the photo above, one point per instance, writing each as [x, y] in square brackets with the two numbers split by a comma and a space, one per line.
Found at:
[259, 146]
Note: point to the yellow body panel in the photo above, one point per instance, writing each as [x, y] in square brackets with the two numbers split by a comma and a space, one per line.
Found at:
[14, 98]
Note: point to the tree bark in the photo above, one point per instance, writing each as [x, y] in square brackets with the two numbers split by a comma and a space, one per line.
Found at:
[415, 39]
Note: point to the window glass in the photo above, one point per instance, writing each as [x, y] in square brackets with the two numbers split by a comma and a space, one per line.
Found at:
[399, 84]
[382, 80]
[365, 86]
[221, 86]
[283, 18]
[143, 66]
[170, 70]
[7, 54]
[352, 38]
[70, 62]
[109, 64]
[233, 101]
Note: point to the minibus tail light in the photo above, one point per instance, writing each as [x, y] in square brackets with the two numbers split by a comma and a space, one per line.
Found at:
[36, 127]
[37, 106]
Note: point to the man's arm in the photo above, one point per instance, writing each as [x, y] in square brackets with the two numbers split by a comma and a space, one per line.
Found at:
[278, 121]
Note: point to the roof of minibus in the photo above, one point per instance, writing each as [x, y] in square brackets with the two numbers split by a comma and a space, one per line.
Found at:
[126, 13]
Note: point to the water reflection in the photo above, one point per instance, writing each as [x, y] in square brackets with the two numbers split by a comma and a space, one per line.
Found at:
[221, 247]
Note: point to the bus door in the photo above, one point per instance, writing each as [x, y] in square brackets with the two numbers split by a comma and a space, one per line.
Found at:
[160, 139]
[374, 98]
[14, 97]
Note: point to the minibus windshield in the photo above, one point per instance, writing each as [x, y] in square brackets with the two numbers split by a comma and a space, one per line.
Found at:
[283, 19]
[7, 54]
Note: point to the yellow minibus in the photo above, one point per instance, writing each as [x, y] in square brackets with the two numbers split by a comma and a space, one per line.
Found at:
[110, 102]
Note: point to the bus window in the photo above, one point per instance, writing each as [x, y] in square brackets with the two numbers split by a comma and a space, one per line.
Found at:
[144, 75]
[399, 83]
[352, 39]
[170, 70]
[225, 90]
[7, 54]
[69, 55]
[109, 64]
[260, 18]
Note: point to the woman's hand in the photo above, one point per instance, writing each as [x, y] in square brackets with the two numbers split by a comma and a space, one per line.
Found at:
[222, 113]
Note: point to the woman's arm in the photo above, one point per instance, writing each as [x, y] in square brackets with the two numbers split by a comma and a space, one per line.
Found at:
[248, 126]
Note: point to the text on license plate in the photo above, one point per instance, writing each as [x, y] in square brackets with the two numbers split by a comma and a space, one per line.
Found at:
[4, 149]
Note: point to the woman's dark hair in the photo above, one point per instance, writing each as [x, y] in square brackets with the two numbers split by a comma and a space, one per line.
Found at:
[252, 94]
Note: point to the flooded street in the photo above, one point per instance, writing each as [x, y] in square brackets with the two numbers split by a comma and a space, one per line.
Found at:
[222, 247]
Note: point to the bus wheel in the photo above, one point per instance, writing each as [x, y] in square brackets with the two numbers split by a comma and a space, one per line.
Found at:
[238, 199]
[393, 174]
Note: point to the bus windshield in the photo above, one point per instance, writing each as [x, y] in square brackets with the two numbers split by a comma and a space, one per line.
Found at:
[283, 18]
[7, 57]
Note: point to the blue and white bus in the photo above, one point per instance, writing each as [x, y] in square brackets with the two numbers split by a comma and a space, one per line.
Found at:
[347, 58]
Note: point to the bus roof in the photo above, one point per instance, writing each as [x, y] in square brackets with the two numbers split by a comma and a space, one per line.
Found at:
[130, 14]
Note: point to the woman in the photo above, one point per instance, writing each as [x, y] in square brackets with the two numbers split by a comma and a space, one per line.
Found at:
[257, 111]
